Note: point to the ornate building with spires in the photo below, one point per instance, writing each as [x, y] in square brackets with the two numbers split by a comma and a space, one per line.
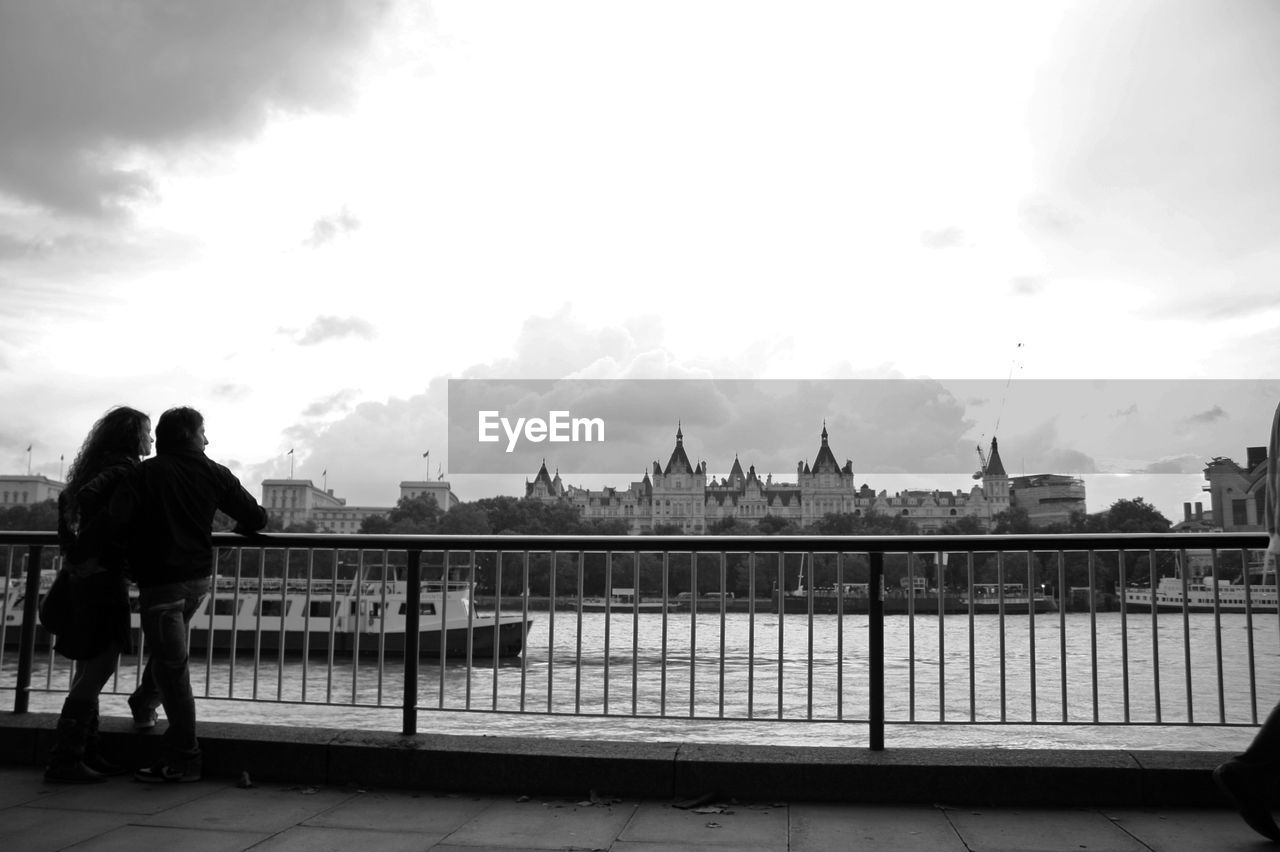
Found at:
[682, 495]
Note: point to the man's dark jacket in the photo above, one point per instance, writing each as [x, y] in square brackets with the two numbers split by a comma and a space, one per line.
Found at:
[165, 508]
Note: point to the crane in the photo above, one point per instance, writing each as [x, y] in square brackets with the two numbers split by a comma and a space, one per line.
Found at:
[982, 457]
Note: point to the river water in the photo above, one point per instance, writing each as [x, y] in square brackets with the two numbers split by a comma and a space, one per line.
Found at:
[742, 679]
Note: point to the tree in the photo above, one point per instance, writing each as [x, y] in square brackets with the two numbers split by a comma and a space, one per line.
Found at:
[30, 516]
[1137, 515]
[966, 525]
[375, 525]
[770, 525]
[1012, 521]
[466, 519]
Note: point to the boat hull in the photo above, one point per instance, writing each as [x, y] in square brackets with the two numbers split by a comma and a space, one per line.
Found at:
[508, 639]
[901, 605]
[1196, 606]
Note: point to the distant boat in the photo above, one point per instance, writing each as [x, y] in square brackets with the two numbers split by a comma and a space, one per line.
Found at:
[987, 598]
[621, 600]
[1199, 597]
[1203, 594]
[349, 617]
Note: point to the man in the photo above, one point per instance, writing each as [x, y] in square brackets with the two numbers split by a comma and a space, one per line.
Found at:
[166, 509]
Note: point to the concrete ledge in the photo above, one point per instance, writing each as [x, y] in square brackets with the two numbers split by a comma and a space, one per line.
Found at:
[511, 765]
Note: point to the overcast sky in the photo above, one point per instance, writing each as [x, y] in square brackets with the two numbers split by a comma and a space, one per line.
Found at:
[304, 218]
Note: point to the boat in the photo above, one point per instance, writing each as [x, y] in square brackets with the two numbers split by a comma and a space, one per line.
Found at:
[620, 601]
[988, 598]
[1204, 593]
[348, 617]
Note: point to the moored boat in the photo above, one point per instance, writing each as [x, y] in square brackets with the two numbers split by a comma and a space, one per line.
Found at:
[988, 598]
[367, 617]
[620, 601]
[1205, 594]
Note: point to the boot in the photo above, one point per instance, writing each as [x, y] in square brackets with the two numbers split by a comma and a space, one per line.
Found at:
[66, 763]
[93, 756]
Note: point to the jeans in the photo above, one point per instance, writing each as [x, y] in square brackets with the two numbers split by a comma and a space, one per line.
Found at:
[166, 614]
[92, 674]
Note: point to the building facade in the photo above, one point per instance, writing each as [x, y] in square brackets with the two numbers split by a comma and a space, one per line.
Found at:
[1048, 498]
[1238, 494]
[682, 495]
[25, 490]
[298, 501]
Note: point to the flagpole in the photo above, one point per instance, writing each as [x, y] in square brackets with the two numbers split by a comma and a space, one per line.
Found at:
[291, 464]
[29, 459]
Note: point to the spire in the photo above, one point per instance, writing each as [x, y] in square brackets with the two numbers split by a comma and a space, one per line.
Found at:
[736, 470]
[826, 460]
[679, 461]
[994, 466]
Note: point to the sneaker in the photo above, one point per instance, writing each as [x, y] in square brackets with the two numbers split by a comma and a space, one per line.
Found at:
[1243, 784]
[144, 718]
[166, 774]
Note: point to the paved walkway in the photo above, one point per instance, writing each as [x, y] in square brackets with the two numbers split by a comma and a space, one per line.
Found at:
[223, 816]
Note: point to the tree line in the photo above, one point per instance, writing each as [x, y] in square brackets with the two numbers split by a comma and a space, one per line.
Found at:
[739, 573]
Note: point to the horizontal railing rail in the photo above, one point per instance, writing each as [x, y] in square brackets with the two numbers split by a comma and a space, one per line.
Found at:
[769, 627]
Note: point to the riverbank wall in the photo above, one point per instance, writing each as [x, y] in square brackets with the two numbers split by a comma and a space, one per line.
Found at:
[670, 770]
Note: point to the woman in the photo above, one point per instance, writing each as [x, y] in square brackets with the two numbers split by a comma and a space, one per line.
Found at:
[100, 630]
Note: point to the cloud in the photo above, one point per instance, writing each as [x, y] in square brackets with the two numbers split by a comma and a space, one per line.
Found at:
[1026, 285]
[1184, 464]
[1041, 214]
[89, 90]
[1156, 120]
[231, 391]
[951, 237]
[1127, 412]
[328, 228]
[1202, 418]
[915, 426]
[338, 402]
[326, 328]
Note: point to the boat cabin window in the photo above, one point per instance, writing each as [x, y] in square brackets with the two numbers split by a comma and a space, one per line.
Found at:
[225, 606]
[320, 609]
[424, 608]
[272, 607]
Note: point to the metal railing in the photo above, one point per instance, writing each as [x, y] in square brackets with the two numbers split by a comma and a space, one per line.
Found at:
[874, 630]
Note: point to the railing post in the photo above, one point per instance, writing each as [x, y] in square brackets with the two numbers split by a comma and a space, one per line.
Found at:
[27, 638]
[875, 626]
[412, 639]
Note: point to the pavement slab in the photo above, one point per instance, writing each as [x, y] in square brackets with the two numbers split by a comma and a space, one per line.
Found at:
[1190, 830]
[903, 828]
[131, 838]
[1039, 830]
[535, 824]
[19, 788]
[715, 825]
[37, 830]
[426, 813]
[121, 795]
[309, 838]
[265, 809]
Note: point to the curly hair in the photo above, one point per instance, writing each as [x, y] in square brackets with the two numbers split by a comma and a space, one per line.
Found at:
[117, 434]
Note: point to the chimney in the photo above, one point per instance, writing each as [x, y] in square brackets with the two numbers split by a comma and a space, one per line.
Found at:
[1186, 511]
[1199, 511]
[1257, 455]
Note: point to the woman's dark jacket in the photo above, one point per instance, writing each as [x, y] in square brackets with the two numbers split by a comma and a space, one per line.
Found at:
[100, 599]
